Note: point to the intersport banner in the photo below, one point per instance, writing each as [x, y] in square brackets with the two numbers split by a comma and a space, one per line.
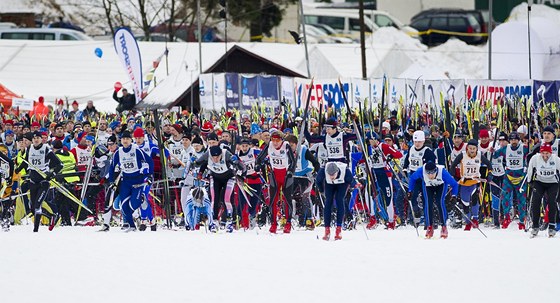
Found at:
[494, 90]
[325, 92]
[129, 54]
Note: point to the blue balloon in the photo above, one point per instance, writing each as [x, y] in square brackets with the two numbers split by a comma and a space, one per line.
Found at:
[99, 52]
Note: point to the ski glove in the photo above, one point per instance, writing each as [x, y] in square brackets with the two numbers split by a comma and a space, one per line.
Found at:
[50, 175]
[454, 200]
[409, 195]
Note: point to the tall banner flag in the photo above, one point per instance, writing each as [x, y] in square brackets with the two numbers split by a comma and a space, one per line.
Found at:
[232, 91]
[129, 54]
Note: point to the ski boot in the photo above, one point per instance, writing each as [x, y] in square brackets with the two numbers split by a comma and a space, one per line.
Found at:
[273, 228]
[391, 225]
[287, 228]
[54, 219]
[506, 222]
[534, 232]
[521, 226]
[429, 232]
[468, 226]
[153, 225]
[327, 235]
[213, 228]
[337, 235]
[551, 231]
[443, 232]
[36, 223]
[372, 223]
[474, 223]
[143, 225]
[104, 228]
[6, 225]
[309, 224]
[229, 226]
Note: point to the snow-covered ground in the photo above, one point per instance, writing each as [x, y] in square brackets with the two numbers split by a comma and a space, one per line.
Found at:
[78, 264]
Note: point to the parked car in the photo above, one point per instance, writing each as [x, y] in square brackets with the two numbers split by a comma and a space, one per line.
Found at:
[450, 21]
[478, 15]
[329, 31]
[346, 24]
[42, 34]
[380, 19]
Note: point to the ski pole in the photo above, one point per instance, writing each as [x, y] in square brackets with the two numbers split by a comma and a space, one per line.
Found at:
[468, 219]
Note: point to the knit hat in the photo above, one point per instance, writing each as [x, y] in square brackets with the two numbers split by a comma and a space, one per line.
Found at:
[331, 169]
[212, 136]
[483, 133]
[546, 148]
[215, 151]
[197, 140]
[549, 129]
[138, 133]
[57, 144]
[418, 136]
[126, 134]
[430, 168]
[473, 142]
[514, 136]
[331, 122]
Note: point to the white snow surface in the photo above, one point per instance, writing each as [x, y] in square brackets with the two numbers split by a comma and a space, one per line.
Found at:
[78, 264]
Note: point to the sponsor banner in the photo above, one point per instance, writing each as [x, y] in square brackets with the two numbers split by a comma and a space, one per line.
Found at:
[232, 91]
[324, 93]
[205, 82]
[546, 91]
[22, 103]
[129, 54]
[397, 90]
[494, 90]
[268, 92]
[452, 90]
[376, 86]
[249, 90]
[360, 93]
[219, 91]
[287, 91]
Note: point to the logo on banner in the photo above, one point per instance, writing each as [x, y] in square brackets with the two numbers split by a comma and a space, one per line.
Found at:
[201, 88]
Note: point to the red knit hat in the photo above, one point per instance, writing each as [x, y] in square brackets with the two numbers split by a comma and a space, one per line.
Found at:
[138, 133]
[60, 102]
[483, 133]
[35, 124]
[546, 148]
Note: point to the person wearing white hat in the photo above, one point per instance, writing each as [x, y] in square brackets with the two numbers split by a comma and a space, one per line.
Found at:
[417, 156]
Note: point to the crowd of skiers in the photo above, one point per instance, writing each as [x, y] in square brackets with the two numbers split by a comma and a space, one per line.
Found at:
[234, 171]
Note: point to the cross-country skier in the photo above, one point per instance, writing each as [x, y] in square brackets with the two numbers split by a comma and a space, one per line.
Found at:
[137, 170]
[44, 165]
[542, 175]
